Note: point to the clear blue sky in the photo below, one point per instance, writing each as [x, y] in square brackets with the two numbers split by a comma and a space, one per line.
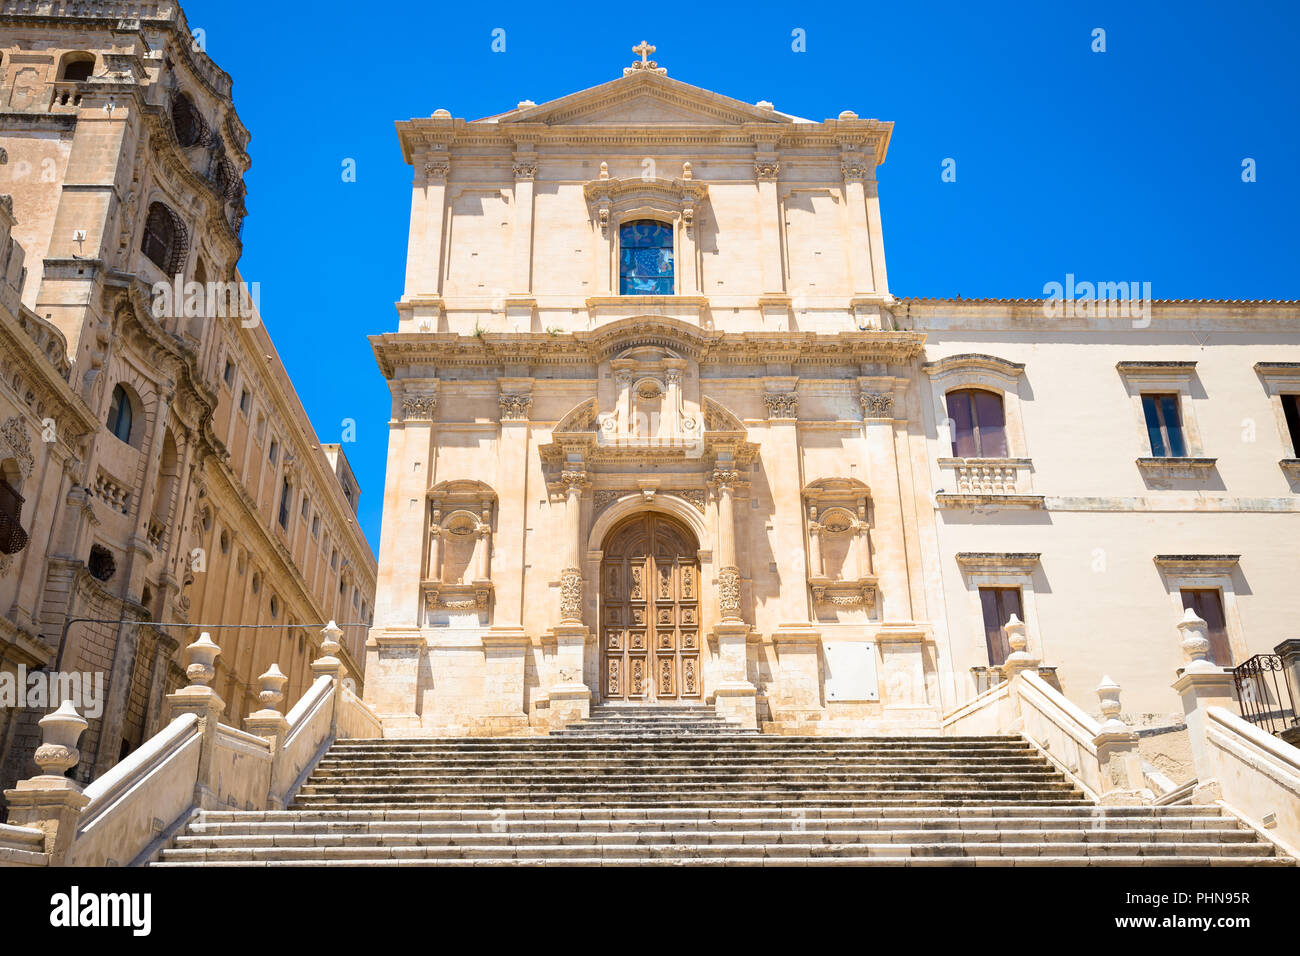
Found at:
[1118, 165]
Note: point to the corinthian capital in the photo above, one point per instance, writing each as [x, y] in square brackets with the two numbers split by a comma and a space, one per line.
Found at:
[876, 404]
[515, 406]
[419, 407]
[782, 404]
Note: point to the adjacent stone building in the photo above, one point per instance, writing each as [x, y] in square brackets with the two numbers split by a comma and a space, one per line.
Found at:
[157, 464]
[660, 433]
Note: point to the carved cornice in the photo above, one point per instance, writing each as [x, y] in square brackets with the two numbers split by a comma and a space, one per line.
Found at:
[396, 350]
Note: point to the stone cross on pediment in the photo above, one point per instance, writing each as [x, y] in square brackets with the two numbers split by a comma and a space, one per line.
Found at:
[644, 50]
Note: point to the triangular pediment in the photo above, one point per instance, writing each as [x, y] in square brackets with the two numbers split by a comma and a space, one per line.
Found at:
[643, 99]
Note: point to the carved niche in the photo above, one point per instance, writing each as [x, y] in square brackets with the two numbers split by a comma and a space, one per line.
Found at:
[840, 573]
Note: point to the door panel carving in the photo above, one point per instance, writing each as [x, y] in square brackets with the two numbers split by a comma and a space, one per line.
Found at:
[650, 611]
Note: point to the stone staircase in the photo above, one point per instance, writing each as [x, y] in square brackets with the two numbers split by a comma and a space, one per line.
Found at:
[678, 785]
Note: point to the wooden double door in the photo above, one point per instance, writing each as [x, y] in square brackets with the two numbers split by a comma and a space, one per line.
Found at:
[650, 611]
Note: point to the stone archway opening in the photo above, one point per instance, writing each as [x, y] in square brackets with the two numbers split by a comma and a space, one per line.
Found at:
[650, 611]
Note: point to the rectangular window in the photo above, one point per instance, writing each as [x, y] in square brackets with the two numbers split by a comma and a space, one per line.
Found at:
[229, 372]
[997, 605]
[1208, 605]
[1291, 406]
[245, 401]
[306, 505]
[273, 453]
[315, 527]
[1164, 426]
[284, 504]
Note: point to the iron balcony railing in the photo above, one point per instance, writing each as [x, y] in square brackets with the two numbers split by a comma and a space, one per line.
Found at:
[1264, 693]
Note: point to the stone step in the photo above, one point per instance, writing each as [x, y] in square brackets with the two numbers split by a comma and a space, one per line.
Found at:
[685, 748]
[466, 766]
[859, 837]
[666, 851]
[780, 743]
[791, 800]
[560, 783]
[677, 785]
[769, 824]
[748, 859]
[812, 810]
[765, 778]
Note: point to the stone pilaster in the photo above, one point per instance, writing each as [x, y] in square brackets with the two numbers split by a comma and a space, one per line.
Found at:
[876, 398]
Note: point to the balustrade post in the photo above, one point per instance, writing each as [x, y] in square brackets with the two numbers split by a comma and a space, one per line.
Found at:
[50, 801]
[270, 723]
[200, 699]
[1201, 685]
[329, 665]
[1122, 782]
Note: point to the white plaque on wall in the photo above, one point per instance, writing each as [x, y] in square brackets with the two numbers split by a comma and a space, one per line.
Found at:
[851, 671]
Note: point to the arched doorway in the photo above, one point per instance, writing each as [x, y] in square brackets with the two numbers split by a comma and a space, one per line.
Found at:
[650, 611]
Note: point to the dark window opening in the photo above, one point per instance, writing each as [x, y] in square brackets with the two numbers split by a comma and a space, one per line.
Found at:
[1208, 605]
[13, 538]
[1164, 426]
[120, 415]
[1291, 408]
[286, 490]
[186, 121]
[78, 70]
[997, 605]
[165, 238]
[977, 423]
[101, 563]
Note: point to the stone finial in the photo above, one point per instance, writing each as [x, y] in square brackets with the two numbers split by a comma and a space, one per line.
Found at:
[1108, 694]
[848, 115]
[1195, 642]
[272, 691]
[1016, 637]
[60, 731]
[330, 643]
[604, 170]
[199, 658]
[687, 172]
[1019, 659]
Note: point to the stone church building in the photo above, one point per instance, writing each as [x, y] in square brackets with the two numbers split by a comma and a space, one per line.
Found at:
[661, 434]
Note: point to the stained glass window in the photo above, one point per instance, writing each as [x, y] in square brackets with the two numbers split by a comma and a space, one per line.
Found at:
[646, 258]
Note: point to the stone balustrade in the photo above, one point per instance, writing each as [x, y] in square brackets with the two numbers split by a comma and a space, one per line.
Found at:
[195, 762]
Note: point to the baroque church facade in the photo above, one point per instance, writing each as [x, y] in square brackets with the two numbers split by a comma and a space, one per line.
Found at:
[661, 434]
[157, 470]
